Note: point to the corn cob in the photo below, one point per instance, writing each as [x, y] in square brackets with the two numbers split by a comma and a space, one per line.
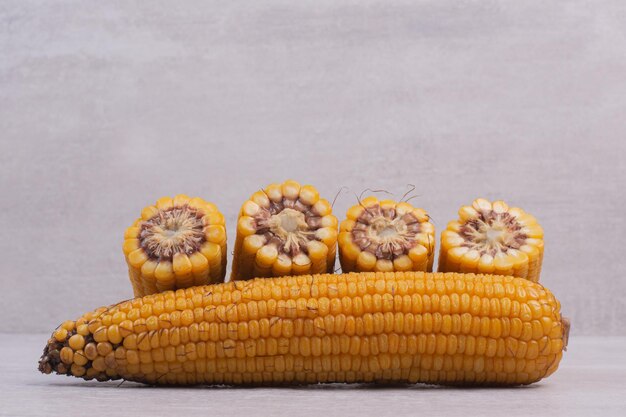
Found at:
[360, 327]
[386, 236]
[177, 243]
[285, 229]
[493, 238]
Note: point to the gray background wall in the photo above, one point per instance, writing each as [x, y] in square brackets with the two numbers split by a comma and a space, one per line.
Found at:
[106, 106]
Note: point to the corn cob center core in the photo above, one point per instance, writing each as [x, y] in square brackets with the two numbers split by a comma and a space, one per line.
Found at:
[291, 228]
[491, 233]
[178, 229]
[382, 233]
[289, 225]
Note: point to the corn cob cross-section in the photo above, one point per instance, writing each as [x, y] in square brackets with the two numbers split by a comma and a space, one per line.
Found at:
[366, 327]
[285, 229]
[386, 236]
[493, 238]
[177, 243]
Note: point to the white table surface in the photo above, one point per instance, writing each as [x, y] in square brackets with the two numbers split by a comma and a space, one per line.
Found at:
[591, 381]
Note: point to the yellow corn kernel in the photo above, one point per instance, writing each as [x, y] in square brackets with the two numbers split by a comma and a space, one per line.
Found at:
[76, 342]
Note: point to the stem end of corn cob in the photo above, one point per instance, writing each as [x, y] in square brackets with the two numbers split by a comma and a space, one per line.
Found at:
[566, 326]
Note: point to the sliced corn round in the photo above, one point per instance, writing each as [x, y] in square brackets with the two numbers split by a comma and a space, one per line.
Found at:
[284, 229]
[493, 238]
[178, 242]
[386, 236]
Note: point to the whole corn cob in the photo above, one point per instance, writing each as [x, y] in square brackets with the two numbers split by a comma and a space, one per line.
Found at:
[386, 236]
[359, 327]
[285, 229]
[177, 243]
[493, 238]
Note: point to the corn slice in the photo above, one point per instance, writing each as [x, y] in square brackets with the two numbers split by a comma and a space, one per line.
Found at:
[177, 243]
[284, 229]
[386, 236]
[493, 238]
